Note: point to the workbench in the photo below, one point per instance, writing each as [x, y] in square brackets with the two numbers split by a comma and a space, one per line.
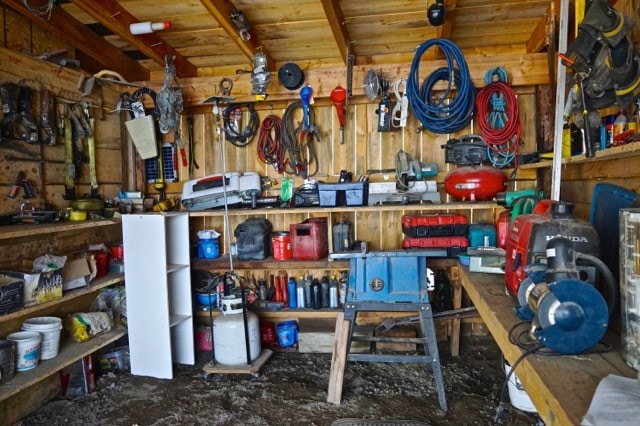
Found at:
[561, 387]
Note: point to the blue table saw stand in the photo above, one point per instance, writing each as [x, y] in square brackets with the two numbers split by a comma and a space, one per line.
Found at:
[379, 275]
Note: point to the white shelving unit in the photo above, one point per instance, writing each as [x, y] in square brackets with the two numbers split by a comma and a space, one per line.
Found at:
[158, 285]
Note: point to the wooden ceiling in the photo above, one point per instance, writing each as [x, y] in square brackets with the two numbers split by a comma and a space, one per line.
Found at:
[314, 34]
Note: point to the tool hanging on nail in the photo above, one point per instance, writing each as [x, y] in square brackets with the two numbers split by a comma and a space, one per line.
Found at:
[170, 104]
[338, 96]
[400, 110]
[192, 145]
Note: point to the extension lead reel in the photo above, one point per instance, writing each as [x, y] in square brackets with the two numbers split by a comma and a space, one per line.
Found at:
[567, 315]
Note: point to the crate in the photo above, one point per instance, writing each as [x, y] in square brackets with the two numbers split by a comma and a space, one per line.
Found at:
[11, 294]
[309, 239]
[435, 225]
[453, 245]
[347, 193]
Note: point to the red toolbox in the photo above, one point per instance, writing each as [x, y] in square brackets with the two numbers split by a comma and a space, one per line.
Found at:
[309, 239]
[434, 225]
[453, 245]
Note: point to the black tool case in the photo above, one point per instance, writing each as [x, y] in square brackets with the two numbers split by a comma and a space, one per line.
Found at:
[252, 239]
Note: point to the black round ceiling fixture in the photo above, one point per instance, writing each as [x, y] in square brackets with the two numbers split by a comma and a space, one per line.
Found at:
[291, 76]
[436, 13]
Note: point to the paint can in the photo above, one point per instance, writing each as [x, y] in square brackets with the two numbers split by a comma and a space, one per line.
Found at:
[27, 349]
[281, 242]
[50, 328]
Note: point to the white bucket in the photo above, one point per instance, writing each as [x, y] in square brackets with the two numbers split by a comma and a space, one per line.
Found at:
[50, 328]
[27, 349]
[517, 395]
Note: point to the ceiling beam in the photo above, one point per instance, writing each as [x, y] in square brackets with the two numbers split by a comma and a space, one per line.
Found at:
[540, 36]
[337, 23]
[444, 30]
[221, 12]
[116, 18]
[74, 32]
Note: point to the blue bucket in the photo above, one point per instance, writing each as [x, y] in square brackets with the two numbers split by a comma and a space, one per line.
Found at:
[208, 248]
[287, 333]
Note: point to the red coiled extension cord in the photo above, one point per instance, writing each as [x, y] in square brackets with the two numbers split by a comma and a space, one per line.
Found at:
[499, 124]
[270, 147]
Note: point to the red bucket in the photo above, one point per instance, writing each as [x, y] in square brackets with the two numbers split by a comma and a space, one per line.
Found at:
[281, 242]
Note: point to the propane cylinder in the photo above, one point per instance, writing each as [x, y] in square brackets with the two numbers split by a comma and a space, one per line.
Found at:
[228, 334]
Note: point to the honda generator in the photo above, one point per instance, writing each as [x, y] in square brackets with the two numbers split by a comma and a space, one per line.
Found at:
[530, 233]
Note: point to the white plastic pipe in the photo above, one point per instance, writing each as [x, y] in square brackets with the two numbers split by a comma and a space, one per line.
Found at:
[148, 27]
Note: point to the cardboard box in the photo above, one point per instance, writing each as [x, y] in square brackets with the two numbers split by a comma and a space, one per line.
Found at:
[76, 273]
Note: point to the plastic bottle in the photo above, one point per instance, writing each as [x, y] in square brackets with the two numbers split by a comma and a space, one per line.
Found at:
[277, 297]
[262, 289]
[300, 292]
[293, 303]
[333, 292]
[284, 294]
[316, 294]
[308, 296]
[619, 125]
[343, 290]
[324, 287]
[148, 27]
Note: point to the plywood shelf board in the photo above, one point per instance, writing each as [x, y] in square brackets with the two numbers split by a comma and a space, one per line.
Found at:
[69, 353]
[26, 230]
[561, 388]
[484, 205]
[623, 151]
[222, 262]
[95, 285]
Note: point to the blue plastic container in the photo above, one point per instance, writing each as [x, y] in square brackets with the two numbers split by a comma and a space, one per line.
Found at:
[287, 333]
[206, 299]
[482, 235]
[208, 248]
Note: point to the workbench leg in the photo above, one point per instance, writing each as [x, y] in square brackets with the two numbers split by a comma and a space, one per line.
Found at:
[454, 279]
[338, 359]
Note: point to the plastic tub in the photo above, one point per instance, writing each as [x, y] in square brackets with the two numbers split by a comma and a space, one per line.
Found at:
[206, 299]
[27, 349]
[287, 333]
[517, 395]
[50, 328]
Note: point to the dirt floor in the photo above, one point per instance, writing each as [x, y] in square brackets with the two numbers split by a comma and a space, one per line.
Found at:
[292, 389]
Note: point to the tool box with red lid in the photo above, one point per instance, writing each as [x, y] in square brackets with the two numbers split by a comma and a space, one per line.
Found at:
[434, 225]
[454, 245]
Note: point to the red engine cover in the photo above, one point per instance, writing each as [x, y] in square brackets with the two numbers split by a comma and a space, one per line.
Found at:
[475, 183]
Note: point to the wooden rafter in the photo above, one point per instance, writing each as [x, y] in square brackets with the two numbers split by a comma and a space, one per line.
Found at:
[540, 36]
[221, 12]
[444, 31]
[79, 36]
[337, 23]
[113, 16]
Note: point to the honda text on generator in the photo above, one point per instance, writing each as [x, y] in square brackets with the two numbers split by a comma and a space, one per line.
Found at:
[530, 234]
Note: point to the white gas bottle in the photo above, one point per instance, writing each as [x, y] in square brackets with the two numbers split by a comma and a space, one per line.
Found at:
[228, 334]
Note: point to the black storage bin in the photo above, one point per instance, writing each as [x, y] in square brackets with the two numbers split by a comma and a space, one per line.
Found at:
[252, 239]
[352, 194]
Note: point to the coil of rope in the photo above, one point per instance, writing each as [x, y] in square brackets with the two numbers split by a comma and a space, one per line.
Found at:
[498, 118]
[298, 142]
[232, 118]
[444, 114]
[270, 147]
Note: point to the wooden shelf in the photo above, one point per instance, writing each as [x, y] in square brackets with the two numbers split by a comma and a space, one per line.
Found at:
[98, 283]
[561, 387]
[222, 263]
[26, 230]
[69, 353]
[629, 150]
[282, 314]
[480, 205]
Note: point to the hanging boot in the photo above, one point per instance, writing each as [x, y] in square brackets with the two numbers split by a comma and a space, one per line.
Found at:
[28, 131]
[8, 92]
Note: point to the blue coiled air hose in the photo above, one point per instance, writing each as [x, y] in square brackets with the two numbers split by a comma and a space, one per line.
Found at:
[443, 114]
